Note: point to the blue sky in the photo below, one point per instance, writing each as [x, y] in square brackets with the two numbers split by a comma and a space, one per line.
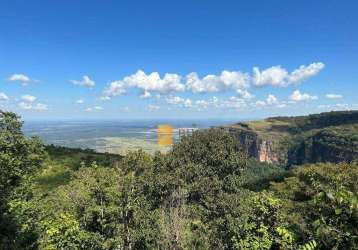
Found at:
[177, 59]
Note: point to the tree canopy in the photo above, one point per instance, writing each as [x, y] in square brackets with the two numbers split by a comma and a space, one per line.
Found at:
[203, 194]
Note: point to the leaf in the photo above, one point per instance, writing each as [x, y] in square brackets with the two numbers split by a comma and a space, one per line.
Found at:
[338, 211]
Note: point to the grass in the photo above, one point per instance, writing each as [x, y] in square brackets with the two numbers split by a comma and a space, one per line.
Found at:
[53, 176]
[272, 130]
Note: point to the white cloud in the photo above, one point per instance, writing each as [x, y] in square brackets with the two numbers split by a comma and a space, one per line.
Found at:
[115, 88]
[24, 79]
[85, 82]
[213, 83]
[296, 96]
[271, 100]
[278, 76]
[233, 103]
[153, 82]
[3, 97]
[208, 84]
[304, 72]
[28, 98]
[282, 105]
[334, 96]
[202, 104]
[260, 104]
[27, 103]
[243, 93]
[24, 105]
[146, 95]
[105, 98]
[337, 106]
[40, 107]
[272, 76]
[179, 101]
[95, 108]
[234, 79]
[80, 101]
[19, 77]
[30, 106]
[226, 80]
[152, 108]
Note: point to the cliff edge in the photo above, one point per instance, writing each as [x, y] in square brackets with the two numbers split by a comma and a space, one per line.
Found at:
[287, 141]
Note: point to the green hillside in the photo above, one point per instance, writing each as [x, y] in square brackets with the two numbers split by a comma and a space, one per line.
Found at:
[325, 137]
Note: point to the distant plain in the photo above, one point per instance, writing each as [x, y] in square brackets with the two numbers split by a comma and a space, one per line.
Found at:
[116, 137]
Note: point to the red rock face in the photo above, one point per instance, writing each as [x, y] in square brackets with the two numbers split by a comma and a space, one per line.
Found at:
[266, 153]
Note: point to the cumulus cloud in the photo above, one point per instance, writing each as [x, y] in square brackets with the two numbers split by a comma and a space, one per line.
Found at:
[202, 104]
[80, 101]
[282, 105]
[271, 100]
[215, 83]
[146, 95]
[153, 82]
[227, 80]
[243, 93]
[152, 108]
[179, 101]
[31, 106]
[304, 72]
[272, 76]
[3, 97]
[260, 104]
[23, 79]
[334, 96]
[115, 88]
[278, 76]
[207, 84]
[27, 103]
[85, 82]
[232, 102]
[296, 96]
[28, 98]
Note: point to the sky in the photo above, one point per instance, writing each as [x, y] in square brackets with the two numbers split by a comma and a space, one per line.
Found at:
[177, 59]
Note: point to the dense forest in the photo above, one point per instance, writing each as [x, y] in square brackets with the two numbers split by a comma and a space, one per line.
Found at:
[206, 193]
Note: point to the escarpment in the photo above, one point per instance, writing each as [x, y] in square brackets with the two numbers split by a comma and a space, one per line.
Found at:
[287, 141]
[255, 146]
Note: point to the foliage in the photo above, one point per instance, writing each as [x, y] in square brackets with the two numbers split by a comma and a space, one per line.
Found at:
[204, 194]
[19, 157]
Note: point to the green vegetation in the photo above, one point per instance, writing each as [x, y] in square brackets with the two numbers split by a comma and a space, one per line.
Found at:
[325, 137]
[205, 193]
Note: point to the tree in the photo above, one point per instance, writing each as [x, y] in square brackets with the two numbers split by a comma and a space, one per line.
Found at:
[19, 157]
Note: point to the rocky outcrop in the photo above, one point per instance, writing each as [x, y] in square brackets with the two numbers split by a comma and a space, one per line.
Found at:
[288, 141]
[326, 145]
[266, 152]
[256, 147]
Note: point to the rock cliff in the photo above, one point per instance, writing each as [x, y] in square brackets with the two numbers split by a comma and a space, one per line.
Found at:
[287, 141]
